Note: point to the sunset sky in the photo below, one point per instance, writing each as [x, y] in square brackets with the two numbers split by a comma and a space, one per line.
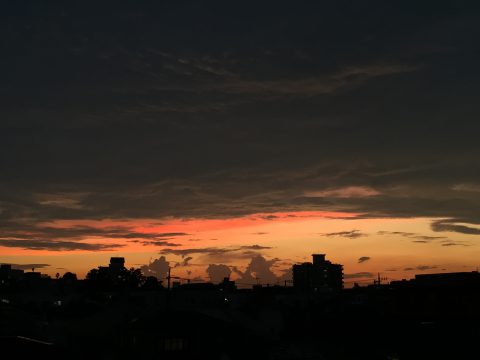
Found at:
[240, 137]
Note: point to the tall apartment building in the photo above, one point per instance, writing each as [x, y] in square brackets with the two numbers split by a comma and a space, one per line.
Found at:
[318, 275]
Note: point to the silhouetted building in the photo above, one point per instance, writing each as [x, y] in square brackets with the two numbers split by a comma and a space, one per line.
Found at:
[116, 264]
[227, 285]
[7, 274]
[33, 276]
[5, 270]
[321, 274]
[113, 274]
[456, 279]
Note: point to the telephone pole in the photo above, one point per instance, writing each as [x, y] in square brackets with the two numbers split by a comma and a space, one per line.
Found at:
[168, 278]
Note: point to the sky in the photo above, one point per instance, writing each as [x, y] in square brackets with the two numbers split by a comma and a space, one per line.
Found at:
[238, 138]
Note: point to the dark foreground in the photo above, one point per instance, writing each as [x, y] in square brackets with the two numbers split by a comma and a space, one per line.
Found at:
[205, 321]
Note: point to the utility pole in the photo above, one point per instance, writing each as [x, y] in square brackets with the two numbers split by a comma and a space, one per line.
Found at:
[168, 290]
[168, 278]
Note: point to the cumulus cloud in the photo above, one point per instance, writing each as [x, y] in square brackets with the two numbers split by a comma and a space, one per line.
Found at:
[217, 272]
[258, 270]
[185, 262]
[158, 268]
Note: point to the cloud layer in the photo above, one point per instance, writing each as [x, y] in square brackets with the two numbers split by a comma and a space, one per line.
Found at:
[151, 114]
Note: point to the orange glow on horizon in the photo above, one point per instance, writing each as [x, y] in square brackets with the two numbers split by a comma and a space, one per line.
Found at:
[289, 236]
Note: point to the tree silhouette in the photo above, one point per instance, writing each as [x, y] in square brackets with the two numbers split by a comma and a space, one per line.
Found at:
[69, 277]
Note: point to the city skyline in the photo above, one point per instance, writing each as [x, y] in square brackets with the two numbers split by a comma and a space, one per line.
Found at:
[346, 247]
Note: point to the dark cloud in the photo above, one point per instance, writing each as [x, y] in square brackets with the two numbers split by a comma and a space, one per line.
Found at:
[148, 113]
[363, 259]
[352, 234]
[56, 245]
[453, 226]
[40, 237]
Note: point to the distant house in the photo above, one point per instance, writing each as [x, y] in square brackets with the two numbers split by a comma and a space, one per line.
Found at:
[318, 275]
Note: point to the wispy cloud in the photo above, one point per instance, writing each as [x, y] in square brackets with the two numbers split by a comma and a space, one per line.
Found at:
[421, 268]
[44, 237]
[418, 237]
[57, 245]
[346, 192]
[363, 259]
[220, 253]
[454, 226]
[62, 200]
[359, 275]
[30, 266]
[352, 234]
[466, 187]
